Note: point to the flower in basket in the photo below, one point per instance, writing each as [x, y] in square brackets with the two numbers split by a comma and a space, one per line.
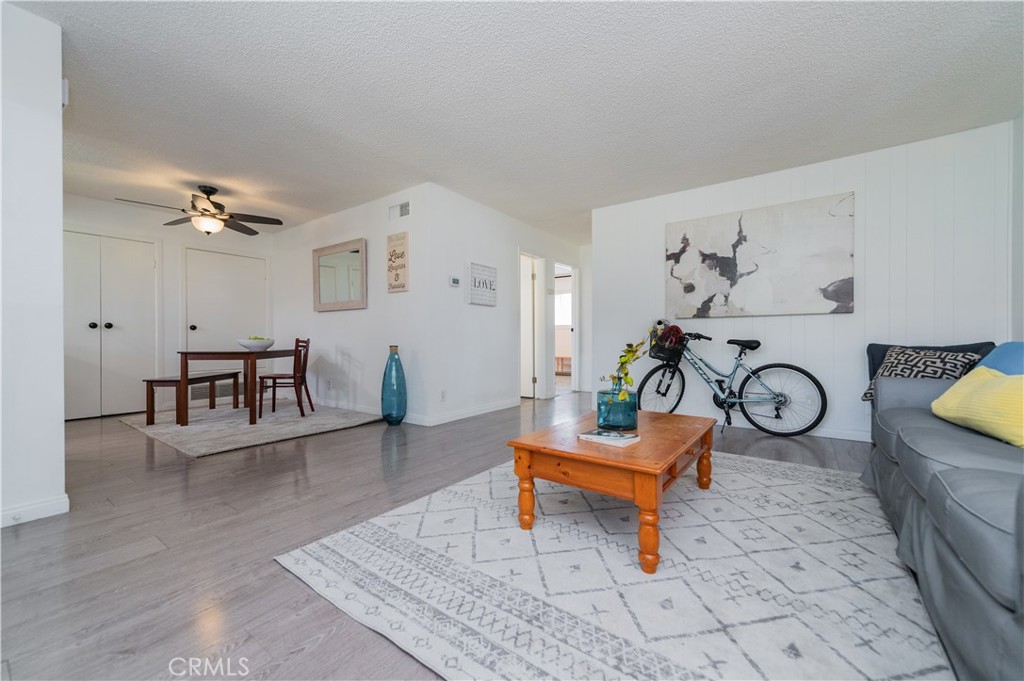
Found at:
[621, 378]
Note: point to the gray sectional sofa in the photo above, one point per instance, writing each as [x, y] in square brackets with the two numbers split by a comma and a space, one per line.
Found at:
[956, 500]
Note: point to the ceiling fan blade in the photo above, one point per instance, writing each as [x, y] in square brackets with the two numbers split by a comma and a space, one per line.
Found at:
[218, 206]
[258, 219]
[144, 203]
[203, 203]
[239, 227]
[179, 221]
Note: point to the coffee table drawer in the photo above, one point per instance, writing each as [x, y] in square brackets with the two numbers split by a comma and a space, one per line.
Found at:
[583, 474]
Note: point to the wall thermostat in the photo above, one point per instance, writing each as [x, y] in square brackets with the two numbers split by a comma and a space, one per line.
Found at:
[454, 282]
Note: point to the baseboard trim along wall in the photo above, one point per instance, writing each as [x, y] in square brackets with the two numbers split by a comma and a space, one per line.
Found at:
[15, 515]
[422, 420]
[474, 411]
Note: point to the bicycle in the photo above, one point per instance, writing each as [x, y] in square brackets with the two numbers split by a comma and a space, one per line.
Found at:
[779, 399]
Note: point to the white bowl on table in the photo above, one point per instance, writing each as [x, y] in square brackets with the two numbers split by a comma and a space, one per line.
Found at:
[255, 345]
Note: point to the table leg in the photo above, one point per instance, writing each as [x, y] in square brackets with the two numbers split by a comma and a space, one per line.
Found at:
[647, 492]
[234, 391]
[704, 467]
[181, 393]
[251, 383]
[245, 382]
[213, 394]
[526, 495]
[151, 404]
[649, 540]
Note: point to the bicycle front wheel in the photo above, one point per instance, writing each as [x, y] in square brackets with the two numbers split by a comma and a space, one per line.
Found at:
[791, 400]
[662, 389]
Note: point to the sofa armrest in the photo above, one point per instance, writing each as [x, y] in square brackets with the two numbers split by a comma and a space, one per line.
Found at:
[893, 392]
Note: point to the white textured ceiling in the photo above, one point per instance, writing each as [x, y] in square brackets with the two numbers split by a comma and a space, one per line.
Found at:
[541, 110]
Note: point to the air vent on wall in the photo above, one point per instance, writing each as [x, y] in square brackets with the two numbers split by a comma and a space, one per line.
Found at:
[399, 211]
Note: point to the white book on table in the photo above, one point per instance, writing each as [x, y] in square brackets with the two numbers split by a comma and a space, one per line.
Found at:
[609, 437]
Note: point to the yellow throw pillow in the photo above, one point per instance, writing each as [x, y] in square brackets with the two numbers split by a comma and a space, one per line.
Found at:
[987, 401]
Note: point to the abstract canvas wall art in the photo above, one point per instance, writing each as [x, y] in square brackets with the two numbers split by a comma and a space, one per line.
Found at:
[793, 258]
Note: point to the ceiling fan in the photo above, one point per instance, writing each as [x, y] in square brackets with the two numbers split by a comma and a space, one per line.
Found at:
[209, 217]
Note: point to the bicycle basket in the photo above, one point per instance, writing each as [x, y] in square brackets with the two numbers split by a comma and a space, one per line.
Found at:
[667, 345]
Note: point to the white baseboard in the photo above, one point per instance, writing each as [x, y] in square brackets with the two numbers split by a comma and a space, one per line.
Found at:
[836, 433]
[421, 419]
[473, 411]
[337, 404]
[23, 513]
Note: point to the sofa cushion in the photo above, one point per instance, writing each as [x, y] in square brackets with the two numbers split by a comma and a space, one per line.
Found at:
[876, 352]
[885, 426]
[1008, 358]
[923, 451]
[988, 401]
[893, 392]
[912, 363]
[975, 511]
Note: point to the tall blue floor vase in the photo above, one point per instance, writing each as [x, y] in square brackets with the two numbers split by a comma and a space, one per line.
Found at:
[393, 393]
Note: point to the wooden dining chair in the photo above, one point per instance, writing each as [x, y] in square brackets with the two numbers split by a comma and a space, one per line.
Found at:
[296, 379]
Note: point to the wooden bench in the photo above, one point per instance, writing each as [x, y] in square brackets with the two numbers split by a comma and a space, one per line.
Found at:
[174, 381]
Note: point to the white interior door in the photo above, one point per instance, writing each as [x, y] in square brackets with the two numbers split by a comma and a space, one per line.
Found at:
[226, 300]
[128, 327]
[82, 309]
[527, 302]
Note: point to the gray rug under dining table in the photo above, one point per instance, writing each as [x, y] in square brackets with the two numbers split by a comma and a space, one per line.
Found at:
[212, 431]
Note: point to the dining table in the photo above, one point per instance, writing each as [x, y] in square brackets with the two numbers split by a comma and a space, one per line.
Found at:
[248, 359]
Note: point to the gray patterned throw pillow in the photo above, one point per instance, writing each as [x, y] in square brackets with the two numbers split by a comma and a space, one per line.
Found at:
[904, 362]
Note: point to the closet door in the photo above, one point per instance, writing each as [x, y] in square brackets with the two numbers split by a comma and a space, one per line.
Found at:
[128, 305]
[108, 282]
[82, 325]
[226, 300]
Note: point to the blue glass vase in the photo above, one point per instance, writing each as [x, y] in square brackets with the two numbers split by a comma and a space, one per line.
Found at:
[613, 413]
[393, 393]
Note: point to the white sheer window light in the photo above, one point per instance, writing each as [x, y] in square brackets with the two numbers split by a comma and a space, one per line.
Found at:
[563, 309]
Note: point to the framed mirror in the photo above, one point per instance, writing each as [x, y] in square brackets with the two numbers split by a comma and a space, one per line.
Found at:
[339, 276]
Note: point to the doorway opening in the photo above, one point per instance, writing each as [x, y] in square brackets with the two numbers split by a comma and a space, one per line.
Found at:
[564, 330]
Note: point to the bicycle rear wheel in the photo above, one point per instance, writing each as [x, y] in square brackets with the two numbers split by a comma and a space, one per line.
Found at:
[794, 400]
[662, 389]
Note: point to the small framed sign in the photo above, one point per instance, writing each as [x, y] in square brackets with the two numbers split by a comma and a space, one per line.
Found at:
[483, 285]
[398, 262]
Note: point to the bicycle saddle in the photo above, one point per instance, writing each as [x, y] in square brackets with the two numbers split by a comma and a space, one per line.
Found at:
[745, 344]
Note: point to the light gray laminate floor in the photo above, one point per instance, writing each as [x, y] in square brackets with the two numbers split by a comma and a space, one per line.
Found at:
[163, 556]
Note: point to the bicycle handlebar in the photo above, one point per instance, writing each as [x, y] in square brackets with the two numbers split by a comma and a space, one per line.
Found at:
[697, 336]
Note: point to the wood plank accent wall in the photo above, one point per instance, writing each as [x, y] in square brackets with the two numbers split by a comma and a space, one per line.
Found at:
[932, 254]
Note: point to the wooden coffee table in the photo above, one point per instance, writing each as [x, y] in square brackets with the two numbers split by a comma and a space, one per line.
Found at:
[669, 444]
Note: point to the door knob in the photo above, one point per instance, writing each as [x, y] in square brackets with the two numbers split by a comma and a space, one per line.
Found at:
[93, 325]
[108, 325]
[193, 327]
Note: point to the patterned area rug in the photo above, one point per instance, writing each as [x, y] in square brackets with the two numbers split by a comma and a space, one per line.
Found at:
[211, 431]
[779, 571]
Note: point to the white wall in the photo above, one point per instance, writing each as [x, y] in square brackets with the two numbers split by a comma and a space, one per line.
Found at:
[1017, 252]
[932, 264]
[31, 243]
[349, 347]
[584, 369]
[475, 355]
[469, 352]
[127, 221]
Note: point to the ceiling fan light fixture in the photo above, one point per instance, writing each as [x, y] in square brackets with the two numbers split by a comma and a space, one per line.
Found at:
[207, 225]
[209, 217]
